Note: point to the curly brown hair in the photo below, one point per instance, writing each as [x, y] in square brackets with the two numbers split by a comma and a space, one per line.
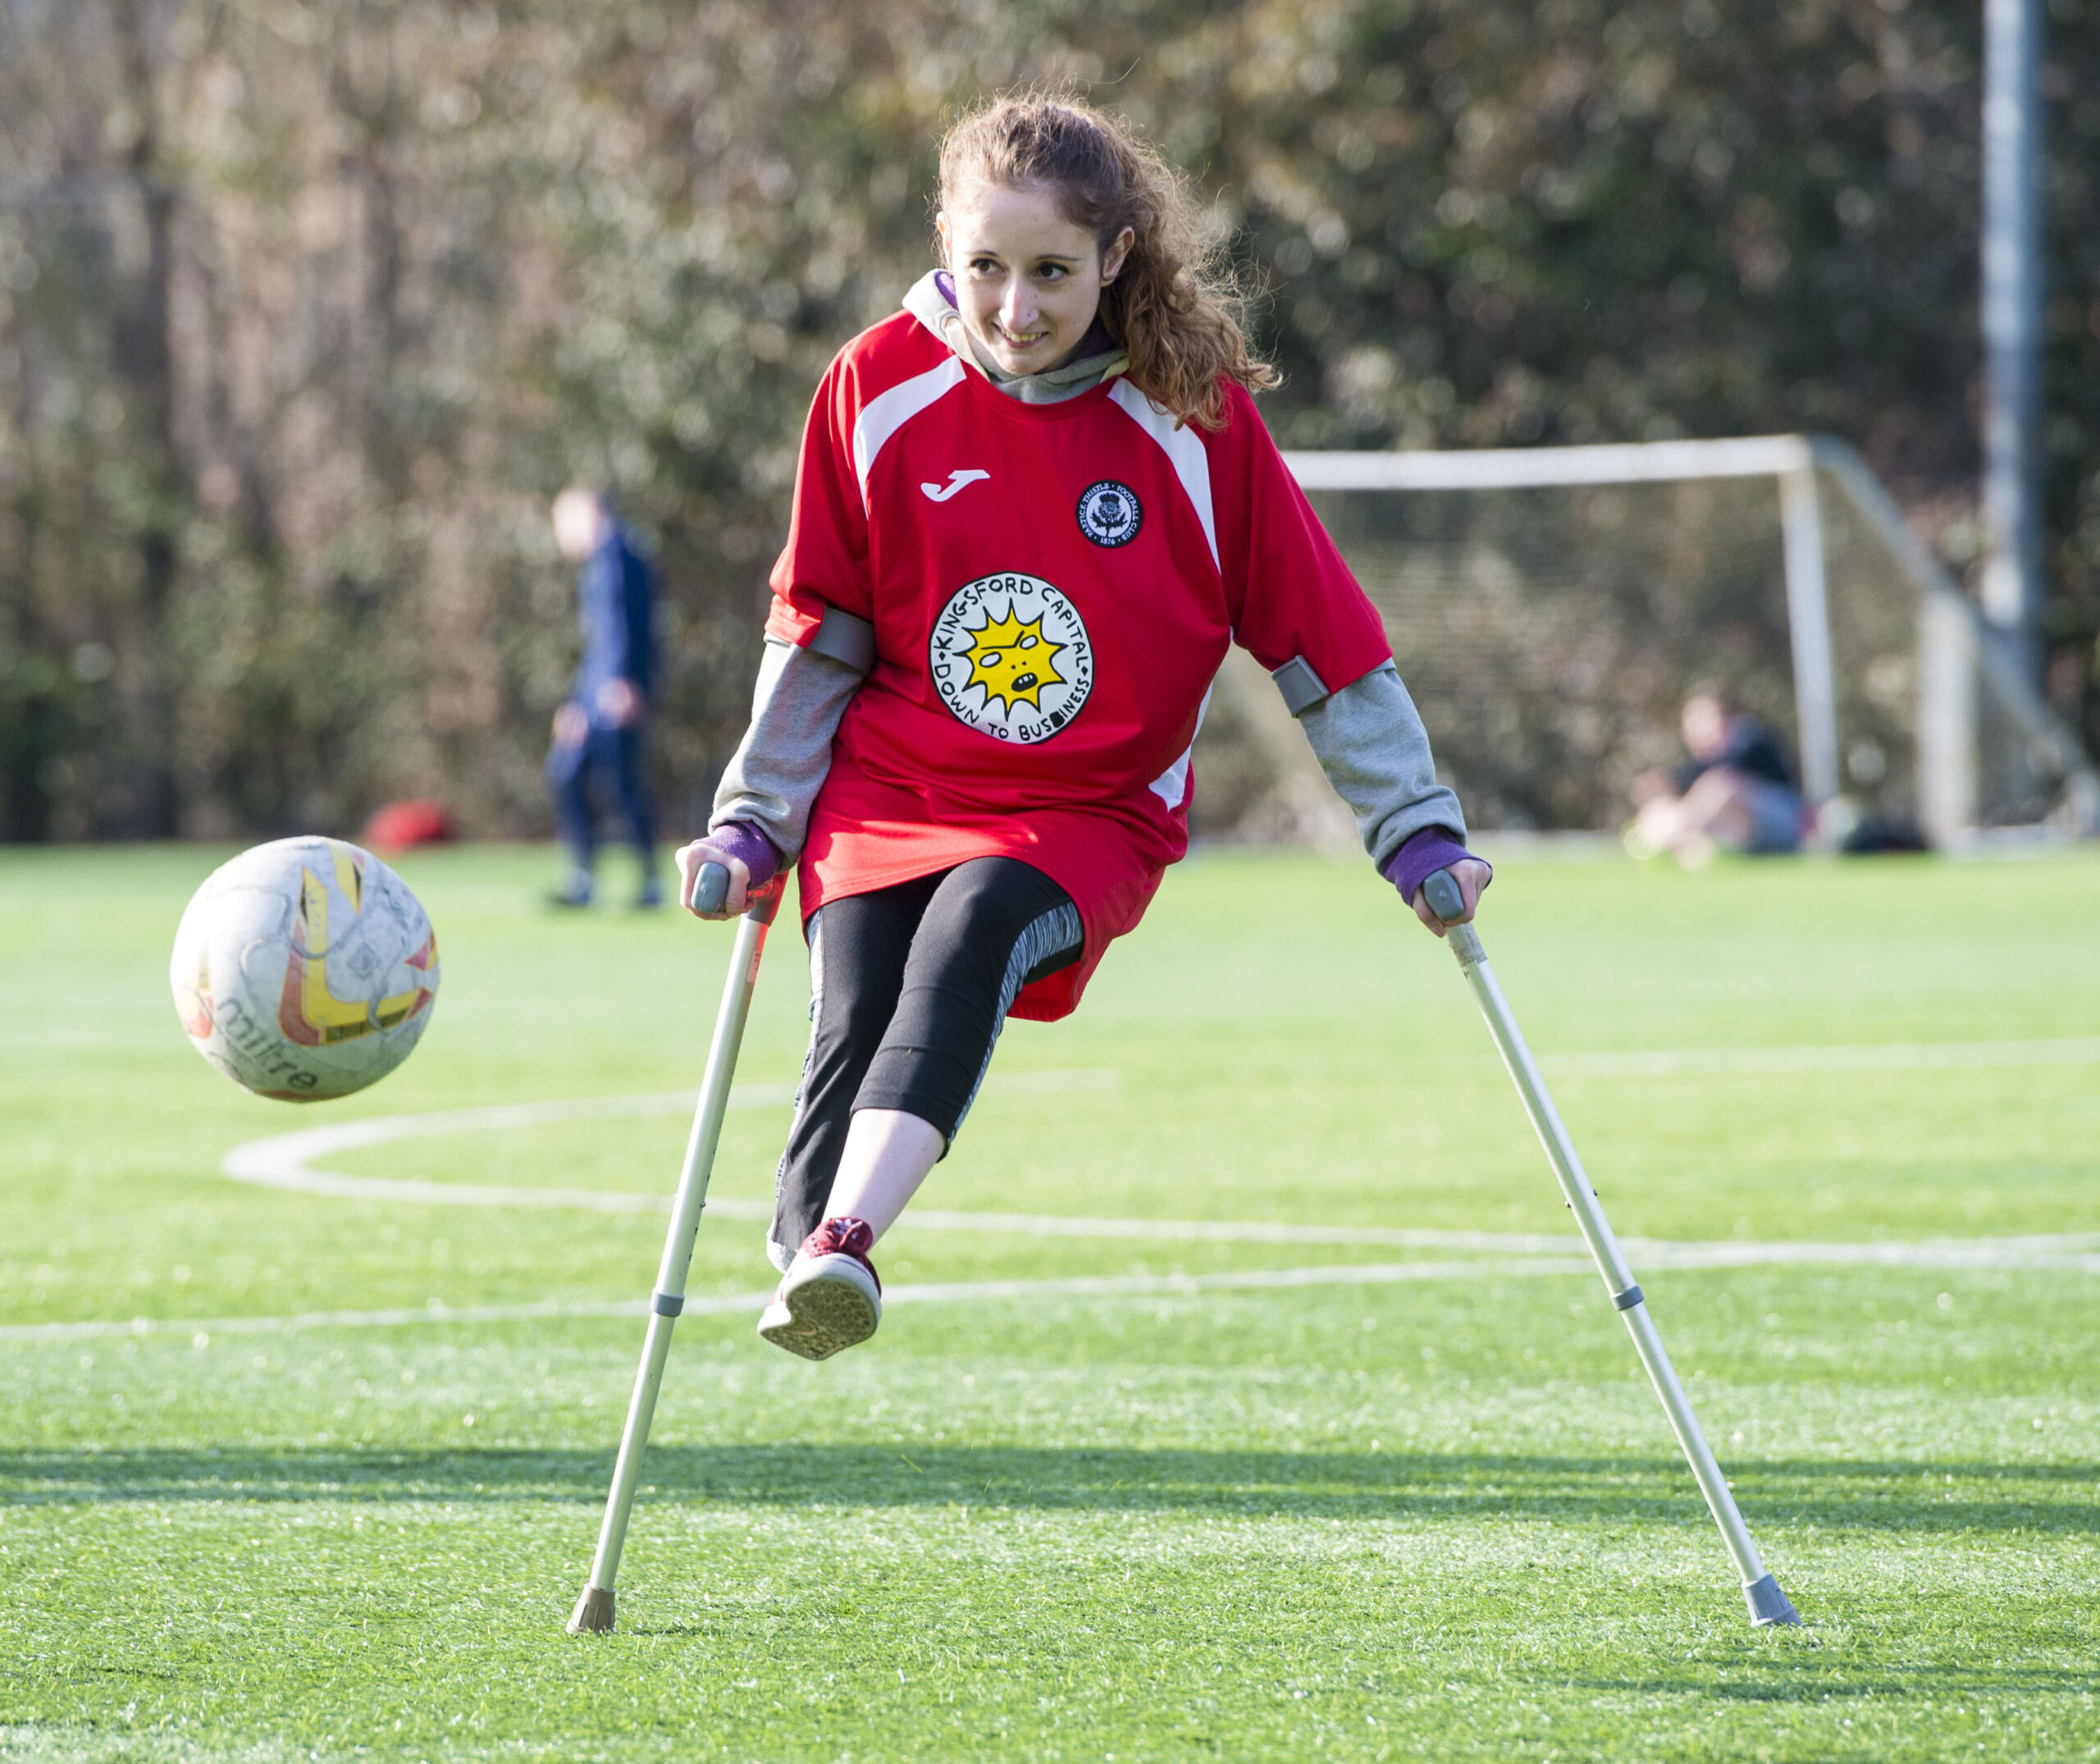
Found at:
[1173, 306]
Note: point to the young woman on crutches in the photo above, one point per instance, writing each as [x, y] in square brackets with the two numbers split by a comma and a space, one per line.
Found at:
[1032, 508]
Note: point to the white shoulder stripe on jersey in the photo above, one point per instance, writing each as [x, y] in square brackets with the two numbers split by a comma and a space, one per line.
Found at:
[1172, 784]
[1183, 448]
[883, 417]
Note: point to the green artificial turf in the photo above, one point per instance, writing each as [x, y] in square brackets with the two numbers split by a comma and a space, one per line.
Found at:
[1365, 1517]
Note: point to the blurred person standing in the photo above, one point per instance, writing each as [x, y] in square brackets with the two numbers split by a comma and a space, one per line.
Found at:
[598, 731]
[1733, 792]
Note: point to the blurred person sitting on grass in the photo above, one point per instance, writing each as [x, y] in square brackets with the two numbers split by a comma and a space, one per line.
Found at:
[1734, 792]
[598, 730]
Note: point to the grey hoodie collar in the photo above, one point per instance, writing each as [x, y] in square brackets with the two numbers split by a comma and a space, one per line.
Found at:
[931, 301]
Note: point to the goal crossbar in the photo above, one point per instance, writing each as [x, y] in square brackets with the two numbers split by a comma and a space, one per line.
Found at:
[1958, 649]
[1540, 467]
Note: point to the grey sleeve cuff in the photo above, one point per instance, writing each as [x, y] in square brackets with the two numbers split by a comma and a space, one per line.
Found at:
[1301, 687]
[1369, 741]
[846, 638]
[772, 782]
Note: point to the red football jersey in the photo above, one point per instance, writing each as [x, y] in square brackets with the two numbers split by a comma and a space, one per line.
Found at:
[1053, 587]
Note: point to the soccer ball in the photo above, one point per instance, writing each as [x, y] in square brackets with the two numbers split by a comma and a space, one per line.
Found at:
[304, 969]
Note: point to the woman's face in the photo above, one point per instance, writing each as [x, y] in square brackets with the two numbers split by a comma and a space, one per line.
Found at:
[1028, 282]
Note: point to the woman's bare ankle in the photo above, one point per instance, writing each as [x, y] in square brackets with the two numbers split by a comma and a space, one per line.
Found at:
[887, 1154]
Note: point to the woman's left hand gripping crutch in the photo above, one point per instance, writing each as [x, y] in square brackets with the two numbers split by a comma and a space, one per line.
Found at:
[594, 1610]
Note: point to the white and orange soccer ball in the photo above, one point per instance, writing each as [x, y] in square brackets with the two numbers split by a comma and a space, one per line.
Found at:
[304, 969]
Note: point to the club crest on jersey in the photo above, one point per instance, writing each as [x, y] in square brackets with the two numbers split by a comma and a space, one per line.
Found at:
[1110, 512]
[1010, 657]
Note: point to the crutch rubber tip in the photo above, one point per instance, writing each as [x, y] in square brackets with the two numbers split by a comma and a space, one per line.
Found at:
[593, 1615]
[1767, 1603]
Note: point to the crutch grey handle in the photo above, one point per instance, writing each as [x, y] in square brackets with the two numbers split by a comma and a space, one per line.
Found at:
[710, 888]
[1446, 899]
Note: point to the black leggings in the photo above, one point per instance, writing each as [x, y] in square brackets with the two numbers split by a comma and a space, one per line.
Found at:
[908, 988]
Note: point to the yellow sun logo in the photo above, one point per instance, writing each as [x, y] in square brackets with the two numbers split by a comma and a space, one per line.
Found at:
[1013, 661]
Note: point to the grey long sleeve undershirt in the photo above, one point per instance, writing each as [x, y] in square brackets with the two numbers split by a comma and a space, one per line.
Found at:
[1369, 741]
[1367, 737]
[772, 781]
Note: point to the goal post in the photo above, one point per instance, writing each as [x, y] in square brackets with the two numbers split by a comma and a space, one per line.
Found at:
[1607, 578]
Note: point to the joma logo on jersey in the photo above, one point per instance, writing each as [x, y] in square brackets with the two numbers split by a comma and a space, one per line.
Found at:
[1010, 657]
[1110, 512]
[961, 478]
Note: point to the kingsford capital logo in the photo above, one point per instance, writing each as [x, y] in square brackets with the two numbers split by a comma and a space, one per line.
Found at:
[1010, 656]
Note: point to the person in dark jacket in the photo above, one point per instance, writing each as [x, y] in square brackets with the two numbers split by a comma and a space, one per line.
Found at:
[598, 731]
[1732, 792]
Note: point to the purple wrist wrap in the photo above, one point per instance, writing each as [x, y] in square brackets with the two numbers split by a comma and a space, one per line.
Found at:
[740, 840]
[1420, 857]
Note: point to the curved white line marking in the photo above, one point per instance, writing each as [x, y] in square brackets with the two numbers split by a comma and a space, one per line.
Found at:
[284, 1161]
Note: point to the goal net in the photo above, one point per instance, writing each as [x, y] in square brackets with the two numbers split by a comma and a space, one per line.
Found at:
[1549, 609]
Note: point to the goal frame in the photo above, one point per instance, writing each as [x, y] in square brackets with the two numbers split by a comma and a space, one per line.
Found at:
[1959, 653]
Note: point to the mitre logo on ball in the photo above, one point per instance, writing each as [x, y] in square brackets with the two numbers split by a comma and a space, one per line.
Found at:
[1010, 657]
[304, 969]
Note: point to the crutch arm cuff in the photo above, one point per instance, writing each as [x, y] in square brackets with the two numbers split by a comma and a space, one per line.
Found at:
[1420, 857]
[750, 846]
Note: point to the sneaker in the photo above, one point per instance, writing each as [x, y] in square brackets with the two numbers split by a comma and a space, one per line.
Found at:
[575, 891]
[829, 1298]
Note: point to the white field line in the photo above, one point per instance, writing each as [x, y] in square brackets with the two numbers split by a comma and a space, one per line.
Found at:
[432, 1313]
[1114, 1286]
[2006, 1253]
[1895, 1056]
[2075, 1254]
[286, 1161]
[282, 1163]
[706, 1305]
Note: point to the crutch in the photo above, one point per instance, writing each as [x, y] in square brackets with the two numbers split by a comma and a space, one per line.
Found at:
[1767, 1603]
[594, 1610]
